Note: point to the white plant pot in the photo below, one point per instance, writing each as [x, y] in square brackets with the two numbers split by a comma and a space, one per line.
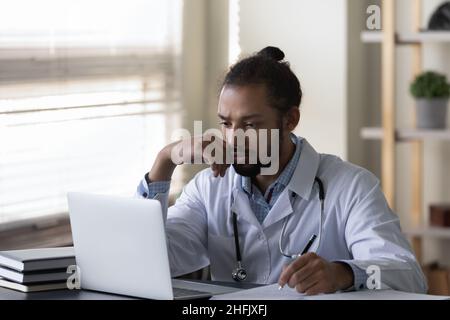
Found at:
[431, 113]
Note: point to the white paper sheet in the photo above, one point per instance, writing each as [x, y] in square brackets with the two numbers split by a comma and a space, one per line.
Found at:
[271, 292]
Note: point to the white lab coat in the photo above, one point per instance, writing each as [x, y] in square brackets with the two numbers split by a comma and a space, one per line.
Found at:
[358, 225]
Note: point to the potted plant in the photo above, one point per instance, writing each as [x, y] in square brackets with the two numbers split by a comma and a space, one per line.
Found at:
[432, 92]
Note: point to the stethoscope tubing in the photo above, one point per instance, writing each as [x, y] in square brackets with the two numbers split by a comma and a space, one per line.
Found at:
[319, 240]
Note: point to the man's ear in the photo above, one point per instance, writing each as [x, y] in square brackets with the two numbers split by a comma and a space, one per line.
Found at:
[292, 118]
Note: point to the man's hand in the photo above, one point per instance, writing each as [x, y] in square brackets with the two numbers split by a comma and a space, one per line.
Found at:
[187, 151]
[310, 274]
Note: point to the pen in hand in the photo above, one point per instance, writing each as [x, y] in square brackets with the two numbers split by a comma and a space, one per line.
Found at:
[305, 250]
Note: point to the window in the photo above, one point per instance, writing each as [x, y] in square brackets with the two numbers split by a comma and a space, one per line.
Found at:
[89, 93]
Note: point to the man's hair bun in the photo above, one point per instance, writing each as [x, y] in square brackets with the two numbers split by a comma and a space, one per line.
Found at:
[272, 53]
[268, 67]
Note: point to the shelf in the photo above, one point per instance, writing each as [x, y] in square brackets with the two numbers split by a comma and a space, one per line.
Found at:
[408, 38]
[430, 232]
[403, 135]
[372, 133]
[371, 36]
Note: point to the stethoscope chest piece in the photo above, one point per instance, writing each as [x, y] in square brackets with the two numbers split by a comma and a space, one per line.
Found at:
[239, 274]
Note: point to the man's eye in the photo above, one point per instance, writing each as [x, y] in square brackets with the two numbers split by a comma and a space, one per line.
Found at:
[249, 125]
[224, 123]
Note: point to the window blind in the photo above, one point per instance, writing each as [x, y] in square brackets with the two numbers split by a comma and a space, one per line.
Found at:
[88, 96]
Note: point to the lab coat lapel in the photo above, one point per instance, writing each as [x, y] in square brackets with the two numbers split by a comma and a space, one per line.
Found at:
[301, 184]
[280, 209]
[302, 180]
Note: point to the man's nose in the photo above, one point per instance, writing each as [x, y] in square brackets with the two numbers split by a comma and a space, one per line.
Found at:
[236, 137]
[230, 136]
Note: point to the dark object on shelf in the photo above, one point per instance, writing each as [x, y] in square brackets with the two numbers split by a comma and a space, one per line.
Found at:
[440, 215]
[438, 278]
[440, 20]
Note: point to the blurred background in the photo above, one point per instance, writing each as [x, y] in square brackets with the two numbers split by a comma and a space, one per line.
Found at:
[90, 91]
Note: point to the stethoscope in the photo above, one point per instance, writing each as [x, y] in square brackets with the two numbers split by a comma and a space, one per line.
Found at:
[239, 273]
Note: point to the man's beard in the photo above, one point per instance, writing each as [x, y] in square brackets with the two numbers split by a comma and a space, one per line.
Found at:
[248, 170]
[252, 170]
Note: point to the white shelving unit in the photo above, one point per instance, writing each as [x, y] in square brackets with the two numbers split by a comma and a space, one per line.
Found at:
[388, 134]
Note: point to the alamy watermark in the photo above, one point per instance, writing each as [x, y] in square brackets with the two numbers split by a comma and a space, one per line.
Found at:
[374, 277]
[249, 147]
[373, 21]
[74, 279]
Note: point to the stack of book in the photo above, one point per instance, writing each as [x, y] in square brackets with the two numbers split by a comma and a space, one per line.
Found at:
[36, 269]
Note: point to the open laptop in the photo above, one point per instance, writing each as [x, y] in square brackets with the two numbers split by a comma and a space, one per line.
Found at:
[120, 247]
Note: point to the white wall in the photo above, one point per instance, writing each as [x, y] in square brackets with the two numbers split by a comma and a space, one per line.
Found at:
[312, 35]
[204, 63]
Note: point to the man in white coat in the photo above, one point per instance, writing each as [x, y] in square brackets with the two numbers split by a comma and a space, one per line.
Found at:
[272, 228]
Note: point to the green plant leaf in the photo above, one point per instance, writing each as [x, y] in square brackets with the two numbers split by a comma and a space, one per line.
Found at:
[430, 85]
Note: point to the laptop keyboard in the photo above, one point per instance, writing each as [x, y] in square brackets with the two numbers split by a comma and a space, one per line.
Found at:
[179, 292]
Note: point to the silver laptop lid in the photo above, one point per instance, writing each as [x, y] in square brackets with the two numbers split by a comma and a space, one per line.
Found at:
[120, 245]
